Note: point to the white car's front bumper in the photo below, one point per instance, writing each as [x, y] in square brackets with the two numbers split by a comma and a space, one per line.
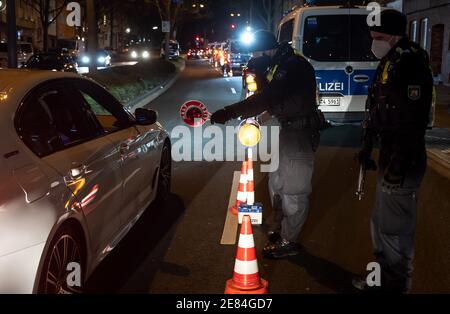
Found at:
[18, 270]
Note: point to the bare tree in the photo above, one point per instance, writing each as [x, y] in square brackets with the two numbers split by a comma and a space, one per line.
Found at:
[269, 7]
[168, 11]
[48, 11]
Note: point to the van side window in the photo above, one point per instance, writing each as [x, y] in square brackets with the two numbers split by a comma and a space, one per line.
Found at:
[286, 31]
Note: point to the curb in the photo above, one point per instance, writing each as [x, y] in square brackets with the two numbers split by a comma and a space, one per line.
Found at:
[438, 160]
[154, 93]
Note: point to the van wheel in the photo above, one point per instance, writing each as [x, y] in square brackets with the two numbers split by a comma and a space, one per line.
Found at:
[66, 247]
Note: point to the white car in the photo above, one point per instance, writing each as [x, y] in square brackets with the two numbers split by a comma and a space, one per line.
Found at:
[77, 170]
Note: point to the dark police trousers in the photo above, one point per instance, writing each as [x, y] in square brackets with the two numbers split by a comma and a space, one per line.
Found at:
[393, 228]
[292, 180]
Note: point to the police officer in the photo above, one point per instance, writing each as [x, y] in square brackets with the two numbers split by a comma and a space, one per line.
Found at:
[258, 65]
[290, 96]
[398, 114]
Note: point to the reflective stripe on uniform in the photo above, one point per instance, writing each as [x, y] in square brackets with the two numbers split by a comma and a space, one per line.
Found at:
[271, 73]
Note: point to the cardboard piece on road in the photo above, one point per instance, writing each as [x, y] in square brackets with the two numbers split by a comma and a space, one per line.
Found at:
[229, 234]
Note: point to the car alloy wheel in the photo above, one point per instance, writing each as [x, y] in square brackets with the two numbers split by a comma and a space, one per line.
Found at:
[63, 258]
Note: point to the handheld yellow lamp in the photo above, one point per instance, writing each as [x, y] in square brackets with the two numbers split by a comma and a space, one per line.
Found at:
[249, 133]
[251, 83]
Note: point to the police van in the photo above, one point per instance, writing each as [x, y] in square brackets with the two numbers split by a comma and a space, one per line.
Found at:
[337, 42]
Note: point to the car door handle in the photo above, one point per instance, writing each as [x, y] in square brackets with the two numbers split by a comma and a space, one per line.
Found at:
[361, 78]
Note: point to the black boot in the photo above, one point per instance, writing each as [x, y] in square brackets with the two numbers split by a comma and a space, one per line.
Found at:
[280, 249]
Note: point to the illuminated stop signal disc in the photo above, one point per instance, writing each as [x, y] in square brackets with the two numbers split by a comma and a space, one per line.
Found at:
[194, 113]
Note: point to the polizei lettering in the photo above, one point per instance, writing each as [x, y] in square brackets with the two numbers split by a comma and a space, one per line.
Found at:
[331, 87]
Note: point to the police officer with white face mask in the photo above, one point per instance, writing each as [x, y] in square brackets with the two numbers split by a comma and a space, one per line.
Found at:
[397, 111]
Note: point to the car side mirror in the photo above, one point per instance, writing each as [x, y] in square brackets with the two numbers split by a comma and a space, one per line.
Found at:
[146, 116]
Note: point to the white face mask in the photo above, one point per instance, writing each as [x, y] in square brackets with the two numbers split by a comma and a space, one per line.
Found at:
[380, 48]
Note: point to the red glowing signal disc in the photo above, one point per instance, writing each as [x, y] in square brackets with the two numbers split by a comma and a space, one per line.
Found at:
[194, 113]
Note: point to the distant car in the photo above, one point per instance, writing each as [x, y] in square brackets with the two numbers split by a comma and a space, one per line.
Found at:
[174, 50]
[24, 52]
[52, 61]
[196, 54]
[102, 59]
[140, 52]
[77, 171]
[236, 58]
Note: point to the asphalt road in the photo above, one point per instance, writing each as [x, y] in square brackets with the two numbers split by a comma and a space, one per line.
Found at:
[175, 249]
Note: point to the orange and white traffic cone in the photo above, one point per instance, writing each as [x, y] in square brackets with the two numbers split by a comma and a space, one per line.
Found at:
[250, 188]
[241, 194]
[246, 279]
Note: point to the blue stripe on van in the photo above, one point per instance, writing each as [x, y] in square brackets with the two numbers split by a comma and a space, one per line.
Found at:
[339, 82]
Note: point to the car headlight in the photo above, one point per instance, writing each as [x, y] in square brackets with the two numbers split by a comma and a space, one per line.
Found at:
[145, 55]
[101, 59]
[134, 54]
[85, 59]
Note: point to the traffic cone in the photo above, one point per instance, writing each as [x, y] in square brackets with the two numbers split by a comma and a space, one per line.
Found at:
[246, 278]
[241, 194]
[250, 189]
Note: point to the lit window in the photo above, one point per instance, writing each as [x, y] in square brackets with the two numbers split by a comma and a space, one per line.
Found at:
[424, 33]
[413, 31]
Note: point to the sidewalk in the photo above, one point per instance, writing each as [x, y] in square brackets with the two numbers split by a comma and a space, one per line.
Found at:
[438, 139]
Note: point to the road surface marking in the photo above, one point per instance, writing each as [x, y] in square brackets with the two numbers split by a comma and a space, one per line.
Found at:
[231, 221]
[233, 90]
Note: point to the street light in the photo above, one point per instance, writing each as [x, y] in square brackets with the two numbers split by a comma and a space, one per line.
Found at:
[155, 28]
[2, 5]
[128, 30]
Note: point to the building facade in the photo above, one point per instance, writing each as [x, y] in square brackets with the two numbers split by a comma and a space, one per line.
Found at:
[429, 26]
[29, 27]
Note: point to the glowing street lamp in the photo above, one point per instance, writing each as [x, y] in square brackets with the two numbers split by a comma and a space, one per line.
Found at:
[128, 30]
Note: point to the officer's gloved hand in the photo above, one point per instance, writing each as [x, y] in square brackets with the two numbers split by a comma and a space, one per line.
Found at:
[221, 116]
[365, 159]
[391, 182]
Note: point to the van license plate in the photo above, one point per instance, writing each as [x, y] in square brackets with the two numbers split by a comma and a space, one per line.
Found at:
[330, 101]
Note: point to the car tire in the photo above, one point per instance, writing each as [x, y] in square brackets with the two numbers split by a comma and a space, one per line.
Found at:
[69, 245]
[164, 176]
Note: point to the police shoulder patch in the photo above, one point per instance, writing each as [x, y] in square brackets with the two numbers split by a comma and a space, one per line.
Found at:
[414, 92]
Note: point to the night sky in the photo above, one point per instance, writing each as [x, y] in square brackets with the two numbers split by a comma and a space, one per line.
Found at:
[212, 23]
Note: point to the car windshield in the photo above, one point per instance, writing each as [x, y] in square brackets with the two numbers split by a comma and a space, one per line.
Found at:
[173, 46]
[44, 61]
[332, 38]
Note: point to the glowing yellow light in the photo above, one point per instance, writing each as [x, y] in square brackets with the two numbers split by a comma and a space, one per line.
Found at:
[249, 134]
[252, 87]
[3, 96]
[250, 79]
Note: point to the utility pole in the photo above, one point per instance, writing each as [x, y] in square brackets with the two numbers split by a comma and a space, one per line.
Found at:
[92, 35]
[167, 46]
[12, 34]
